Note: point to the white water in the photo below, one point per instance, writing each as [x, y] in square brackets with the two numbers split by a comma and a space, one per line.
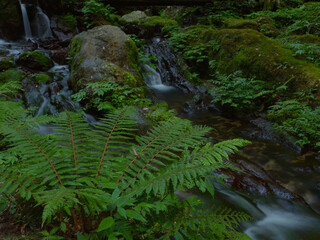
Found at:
[42, 25]
[153, 79]
[26, 22]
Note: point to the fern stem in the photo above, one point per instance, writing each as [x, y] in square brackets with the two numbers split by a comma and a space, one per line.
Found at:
[154, 156]
[107, 143]
[73, 144]
[137, 155]
[43, 153]
[19, 184]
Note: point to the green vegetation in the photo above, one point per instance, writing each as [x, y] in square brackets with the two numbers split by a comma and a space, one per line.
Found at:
[40, 77]
[104, 181]
[7, 63]
[35, 60]
[95, 13]
[243, 94]
[299, 120]
[108, 95]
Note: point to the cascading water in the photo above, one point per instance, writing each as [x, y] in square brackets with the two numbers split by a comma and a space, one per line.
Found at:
[26, 22]
[41, 25]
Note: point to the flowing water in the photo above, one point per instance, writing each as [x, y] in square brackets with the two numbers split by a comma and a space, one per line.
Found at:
[26, 22]
[274, 217]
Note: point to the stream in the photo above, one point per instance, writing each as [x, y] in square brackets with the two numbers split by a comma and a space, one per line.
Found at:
[276, 216]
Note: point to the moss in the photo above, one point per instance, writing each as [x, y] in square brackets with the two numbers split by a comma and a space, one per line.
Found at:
[5, 64]
[255, 54]
[240, 23]
[12, 75]
[75, 47]
[264, 19]
[269, 30]
[41, 77]
[35, 60]
[307, 38]
[69, 22]
[120, 75]
[132, 54]
[155, 24]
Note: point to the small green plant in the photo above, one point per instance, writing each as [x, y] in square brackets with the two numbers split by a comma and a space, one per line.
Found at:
[297, 119]
[106, 96]
[95, 9]
[243, 94]
[307, 51]
[105, 182]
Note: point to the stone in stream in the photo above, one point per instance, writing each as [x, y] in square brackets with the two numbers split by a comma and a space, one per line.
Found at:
[35, 60]
[104, 53]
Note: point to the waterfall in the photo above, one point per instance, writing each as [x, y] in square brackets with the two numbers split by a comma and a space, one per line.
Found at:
[153, 79]
[26, 22]
[42, 24]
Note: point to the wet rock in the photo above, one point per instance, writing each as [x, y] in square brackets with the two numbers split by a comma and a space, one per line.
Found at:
[35, 60]
[59, 56]
[64, 27]
[254, 179]
[54, 88]
[102, 54]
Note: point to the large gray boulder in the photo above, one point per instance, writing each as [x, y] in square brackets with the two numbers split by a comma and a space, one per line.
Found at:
[104, 53]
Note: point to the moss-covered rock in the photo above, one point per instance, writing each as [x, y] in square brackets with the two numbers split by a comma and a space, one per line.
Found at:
[104, 52]
[35, 60]
[7, 63]
[269, 30]
[11, 24]
[12, 75]
[41, 77]
[240, 23]
[134, 16]
[257, 55]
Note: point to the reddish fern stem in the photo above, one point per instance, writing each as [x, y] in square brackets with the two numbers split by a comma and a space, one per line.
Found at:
[107, 143]
[43, 153]
[73, 144]
[137, 155]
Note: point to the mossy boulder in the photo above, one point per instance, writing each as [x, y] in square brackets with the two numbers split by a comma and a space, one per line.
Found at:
[35, 60]
[6, 63]
[11, 24]
[240, 23]
[41, 77]
[101, 54]
[134, 16]
[269, 30]
[257, 55]
[12, 75]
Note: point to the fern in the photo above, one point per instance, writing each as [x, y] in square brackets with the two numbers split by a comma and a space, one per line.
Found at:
[83, 173]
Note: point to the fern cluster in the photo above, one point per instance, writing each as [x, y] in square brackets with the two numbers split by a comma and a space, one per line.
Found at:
[105, 181]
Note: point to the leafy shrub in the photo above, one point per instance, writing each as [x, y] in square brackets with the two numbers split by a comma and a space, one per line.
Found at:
[104, 182]
[244, 94]
[299, 120]
[108, 95]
